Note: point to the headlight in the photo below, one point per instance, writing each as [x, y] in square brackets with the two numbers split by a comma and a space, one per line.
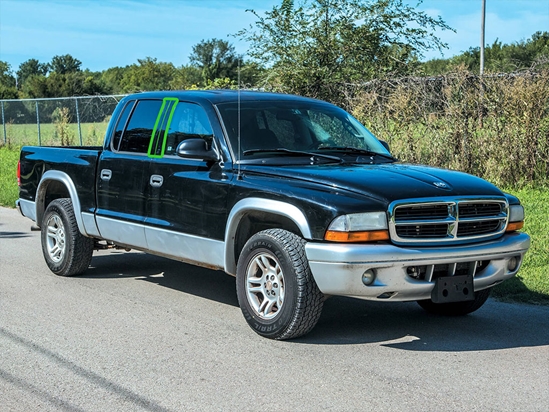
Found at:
[516, 218]
[516, 213]
[358, 227]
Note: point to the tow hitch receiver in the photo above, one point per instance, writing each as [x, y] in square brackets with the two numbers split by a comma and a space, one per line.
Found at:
[453, 289]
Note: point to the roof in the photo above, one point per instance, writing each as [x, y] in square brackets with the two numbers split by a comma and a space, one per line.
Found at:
[220, 96]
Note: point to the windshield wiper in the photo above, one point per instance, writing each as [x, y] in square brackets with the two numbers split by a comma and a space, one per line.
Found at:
[356, 150]
[289, 152]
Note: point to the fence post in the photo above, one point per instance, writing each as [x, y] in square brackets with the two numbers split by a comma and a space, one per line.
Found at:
[4, 124]
[38, 125]
[78, 120]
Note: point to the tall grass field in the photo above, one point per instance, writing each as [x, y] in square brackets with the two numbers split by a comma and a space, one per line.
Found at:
[52, 134]
[530, 286]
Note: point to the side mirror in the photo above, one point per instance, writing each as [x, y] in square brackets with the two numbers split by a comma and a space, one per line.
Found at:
[385, 145]
[196, 148]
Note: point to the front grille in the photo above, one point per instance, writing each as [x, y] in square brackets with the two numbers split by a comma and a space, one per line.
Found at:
[425, 231]
[478, 228]
[421, 212]
[479, 209]
[422, 221]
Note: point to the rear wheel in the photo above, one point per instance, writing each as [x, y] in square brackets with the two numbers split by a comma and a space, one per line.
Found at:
[456, 308]
[275, 287]
[66, 251]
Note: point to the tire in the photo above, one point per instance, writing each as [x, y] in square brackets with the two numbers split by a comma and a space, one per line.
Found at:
[456, 308]
[276, 291]
[66, 251]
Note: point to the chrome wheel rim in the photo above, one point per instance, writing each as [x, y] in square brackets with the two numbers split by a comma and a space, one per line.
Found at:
[265, 285]
[55, 238]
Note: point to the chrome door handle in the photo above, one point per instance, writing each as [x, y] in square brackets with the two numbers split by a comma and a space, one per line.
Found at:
[156, 181]
[106, 174]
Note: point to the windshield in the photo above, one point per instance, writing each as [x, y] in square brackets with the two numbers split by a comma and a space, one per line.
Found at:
[310, 127]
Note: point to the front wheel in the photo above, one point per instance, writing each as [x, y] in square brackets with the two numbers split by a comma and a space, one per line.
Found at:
[66, 251]
[456, 308]
[276, 290]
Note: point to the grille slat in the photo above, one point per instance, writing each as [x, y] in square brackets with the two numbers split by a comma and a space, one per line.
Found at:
[426, 231]
[479, 209]
[422, 212]
[434, 221]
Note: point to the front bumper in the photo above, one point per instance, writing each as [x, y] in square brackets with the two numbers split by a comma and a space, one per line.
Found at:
[338, 268]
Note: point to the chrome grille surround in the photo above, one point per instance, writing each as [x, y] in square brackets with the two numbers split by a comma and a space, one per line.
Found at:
[438, 220]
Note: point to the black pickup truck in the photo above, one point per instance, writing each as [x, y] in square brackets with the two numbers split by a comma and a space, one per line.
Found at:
[291, 195]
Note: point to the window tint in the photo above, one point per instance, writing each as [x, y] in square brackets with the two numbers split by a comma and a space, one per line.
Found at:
[189, 120]
[137, 136]
[121, 124]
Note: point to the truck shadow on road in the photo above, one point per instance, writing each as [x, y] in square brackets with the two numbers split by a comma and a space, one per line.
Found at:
[347, 321]
[205, 283]
[406, 326]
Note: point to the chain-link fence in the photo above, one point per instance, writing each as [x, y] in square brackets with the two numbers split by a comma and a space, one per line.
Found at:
[57, 121]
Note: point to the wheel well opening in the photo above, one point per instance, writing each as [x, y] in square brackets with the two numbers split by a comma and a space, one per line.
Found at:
[255, 221]
[54, 190]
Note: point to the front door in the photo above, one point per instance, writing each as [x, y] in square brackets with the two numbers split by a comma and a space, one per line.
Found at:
[187, 201]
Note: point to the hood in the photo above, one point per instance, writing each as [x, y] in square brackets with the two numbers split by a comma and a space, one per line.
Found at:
[385, 182]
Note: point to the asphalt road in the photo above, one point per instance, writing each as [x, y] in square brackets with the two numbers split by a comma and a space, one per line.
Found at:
[142, 333]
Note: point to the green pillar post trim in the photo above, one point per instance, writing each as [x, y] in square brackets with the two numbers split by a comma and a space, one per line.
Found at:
[163, 121]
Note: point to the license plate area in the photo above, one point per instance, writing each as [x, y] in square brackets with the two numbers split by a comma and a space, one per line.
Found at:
[453, 289]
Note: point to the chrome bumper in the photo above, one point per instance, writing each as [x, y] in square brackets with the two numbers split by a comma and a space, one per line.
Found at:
[338, 268]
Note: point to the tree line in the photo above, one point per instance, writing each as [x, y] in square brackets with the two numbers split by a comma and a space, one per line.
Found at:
[310, 47]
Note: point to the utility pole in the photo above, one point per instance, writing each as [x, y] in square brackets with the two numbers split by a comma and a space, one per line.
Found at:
[482, 30]
[481, 82]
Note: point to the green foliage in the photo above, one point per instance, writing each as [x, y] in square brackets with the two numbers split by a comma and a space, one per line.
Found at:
[313, 48]
[215, 58]
[9, 192]
[498, 57]
[65, 64]
[496, 127]
[186, 77]
[31, 67]
[148, 74]
[531, 285]
[7, 82]
[61, 119]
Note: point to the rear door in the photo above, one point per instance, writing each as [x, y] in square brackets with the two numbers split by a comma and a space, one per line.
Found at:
[123, 175]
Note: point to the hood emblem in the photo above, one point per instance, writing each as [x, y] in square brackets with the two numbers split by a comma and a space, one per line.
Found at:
[441, 185]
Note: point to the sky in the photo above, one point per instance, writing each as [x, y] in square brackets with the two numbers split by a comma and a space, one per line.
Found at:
[108, 33]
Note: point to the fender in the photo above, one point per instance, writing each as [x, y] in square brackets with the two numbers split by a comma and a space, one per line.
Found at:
[62, 177]
[263, 205]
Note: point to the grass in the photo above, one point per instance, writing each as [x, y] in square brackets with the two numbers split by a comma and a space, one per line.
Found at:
[531, 285]
[27, 134]
[9, 191]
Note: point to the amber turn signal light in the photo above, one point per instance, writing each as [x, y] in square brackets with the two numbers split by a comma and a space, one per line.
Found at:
[511, 227]
[369, 236]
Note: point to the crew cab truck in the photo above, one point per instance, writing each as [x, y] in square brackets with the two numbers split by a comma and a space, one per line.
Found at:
[291, 195]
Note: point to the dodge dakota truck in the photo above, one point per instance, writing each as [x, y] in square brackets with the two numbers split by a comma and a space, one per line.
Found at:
[292, 196]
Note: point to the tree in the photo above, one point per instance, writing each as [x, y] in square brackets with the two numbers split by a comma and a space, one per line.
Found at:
[216, 59]
[149, 74]
[65, 64]
[186, 77]
[498, 57]
[7, 82]
[31, 67]
[314, 48]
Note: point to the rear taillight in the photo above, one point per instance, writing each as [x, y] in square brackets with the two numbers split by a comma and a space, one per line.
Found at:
[19, 173]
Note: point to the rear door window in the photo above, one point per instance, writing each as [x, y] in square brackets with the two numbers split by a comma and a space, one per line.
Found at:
[138, 134]
[122, 120]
